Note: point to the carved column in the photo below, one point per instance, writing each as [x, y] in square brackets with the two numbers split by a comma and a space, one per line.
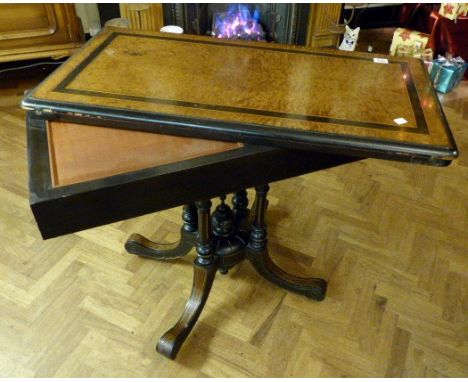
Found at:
[190, 217]
[147, 17]
[204, 238]
[258, 233]
[240, 203]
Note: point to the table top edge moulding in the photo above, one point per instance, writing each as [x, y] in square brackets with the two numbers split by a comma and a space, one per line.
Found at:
[279, 110]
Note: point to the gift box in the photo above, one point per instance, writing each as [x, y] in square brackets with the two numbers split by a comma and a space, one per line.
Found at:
[451, 11]
[447, 73]
[409, 51]
[403, 37]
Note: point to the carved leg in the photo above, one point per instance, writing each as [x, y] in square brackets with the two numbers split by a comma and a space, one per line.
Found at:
[257, 253]
[205, 267]
[141, 246]
[230, 240]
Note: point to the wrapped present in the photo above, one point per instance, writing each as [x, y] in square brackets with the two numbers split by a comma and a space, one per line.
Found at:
[404, 50]
[427, 57]
[407, 37]
[451, 11]
[461, 65]
[408, 51]
[446, 73]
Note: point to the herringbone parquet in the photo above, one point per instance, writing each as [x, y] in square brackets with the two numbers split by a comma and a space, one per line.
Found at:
[391, 238]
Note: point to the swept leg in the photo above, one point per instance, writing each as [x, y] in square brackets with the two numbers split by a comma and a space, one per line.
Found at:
[205, 267]
[258, 255]
[141, 246]
[313, 288]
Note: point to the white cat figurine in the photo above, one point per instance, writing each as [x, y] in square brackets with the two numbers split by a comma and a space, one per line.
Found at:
[350, 38]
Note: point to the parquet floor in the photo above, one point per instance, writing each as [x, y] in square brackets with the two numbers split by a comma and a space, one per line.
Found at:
[391, 238]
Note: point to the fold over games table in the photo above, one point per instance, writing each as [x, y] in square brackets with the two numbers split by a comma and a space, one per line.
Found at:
[135, 123]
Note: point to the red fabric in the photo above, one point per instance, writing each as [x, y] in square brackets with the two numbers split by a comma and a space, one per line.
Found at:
[417, 16]
[446, 36]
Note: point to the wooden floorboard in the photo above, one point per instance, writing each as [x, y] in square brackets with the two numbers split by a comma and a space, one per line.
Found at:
[391, 238]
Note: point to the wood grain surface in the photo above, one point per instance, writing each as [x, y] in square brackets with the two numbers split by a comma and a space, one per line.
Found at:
[246, 84]
[79, 153]
[389, 237]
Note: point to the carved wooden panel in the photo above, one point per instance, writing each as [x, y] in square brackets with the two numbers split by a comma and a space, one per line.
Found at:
[27, 20]
[38, 30]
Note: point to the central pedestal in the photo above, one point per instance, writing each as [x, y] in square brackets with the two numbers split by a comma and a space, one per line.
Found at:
[222, 240]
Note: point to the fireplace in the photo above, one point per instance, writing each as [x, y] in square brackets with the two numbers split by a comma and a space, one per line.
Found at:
[281, 23]
[238, 23]
[313, 25]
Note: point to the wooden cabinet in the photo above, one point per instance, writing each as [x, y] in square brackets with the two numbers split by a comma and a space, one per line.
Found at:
[323, 20]
[29, 31]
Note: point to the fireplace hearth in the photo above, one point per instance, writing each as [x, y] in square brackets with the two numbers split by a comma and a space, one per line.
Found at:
[282, 23]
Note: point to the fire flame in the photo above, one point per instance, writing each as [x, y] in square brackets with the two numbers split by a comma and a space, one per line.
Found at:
[238, 23]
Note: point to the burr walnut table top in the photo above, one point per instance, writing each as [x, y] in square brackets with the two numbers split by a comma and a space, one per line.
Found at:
[252, 92]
